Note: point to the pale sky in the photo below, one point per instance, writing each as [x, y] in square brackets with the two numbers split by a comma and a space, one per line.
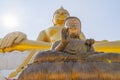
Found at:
[100, 18]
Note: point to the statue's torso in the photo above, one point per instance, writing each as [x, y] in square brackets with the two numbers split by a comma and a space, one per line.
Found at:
[53, 33]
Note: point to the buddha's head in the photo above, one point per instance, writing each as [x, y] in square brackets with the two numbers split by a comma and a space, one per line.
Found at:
[59, 16]
[73, 24]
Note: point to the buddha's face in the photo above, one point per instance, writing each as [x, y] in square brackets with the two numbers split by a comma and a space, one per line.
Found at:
[73, 26]
[59, 17]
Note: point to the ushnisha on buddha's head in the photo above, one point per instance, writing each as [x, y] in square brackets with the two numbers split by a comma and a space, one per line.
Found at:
[73, 25]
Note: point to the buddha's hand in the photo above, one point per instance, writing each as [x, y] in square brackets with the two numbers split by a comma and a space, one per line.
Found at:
[64, 35]
[89, 42]
[12, 39]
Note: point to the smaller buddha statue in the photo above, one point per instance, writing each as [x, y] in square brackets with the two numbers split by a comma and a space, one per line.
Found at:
[70, 41]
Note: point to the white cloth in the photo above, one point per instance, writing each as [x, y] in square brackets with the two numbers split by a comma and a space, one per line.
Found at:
[11, 60]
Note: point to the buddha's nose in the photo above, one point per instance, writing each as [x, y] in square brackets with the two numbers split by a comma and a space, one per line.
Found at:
[62, 14]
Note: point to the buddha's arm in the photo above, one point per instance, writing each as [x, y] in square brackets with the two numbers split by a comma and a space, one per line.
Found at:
[107, 46]
[63, 41]
[40, 44]
[43, 37]
[28, 45]
[11, 39]
[61, 46]
[54, 45]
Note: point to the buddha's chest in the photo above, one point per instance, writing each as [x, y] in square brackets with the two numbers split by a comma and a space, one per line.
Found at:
[54, 34]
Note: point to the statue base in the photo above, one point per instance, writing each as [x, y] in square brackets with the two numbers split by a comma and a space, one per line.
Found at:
[53, 65]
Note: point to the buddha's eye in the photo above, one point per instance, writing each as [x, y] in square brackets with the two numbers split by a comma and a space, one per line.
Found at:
[65, 13]
[58, 12]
